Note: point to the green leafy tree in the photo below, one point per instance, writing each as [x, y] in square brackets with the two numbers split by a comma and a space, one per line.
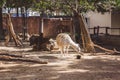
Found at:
[77, 8]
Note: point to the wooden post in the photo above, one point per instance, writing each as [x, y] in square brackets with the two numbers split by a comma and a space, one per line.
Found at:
[42, 24]
[94, 30]
[106, 30]
[98, 29]
[41, 27]
[24, 22]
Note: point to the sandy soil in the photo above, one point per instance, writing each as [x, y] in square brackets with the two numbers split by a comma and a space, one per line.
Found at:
[60, 67]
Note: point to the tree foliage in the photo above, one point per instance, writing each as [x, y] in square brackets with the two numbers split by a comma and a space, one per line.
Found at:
[2, 2]
[78, 5]
[64, 5]
[19, 3]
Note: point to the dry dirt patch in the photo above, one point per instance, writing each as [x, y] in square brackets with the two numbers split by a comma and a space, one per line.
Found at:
[59, 67]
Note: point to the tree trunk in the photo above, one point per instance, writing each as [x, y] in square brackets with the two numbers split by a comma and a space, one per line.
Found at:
[1, 25]
[86, 39]
[76, 26]
[11, 32]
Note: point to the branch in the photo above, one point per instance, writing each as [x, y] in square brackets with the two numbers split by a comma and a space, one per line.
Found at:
[107, 50]
[70, 6]
[12, 32]
[18, 57]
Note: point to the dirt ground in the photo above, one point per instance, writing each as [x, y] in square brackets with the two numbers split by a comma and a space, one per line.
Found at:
[59, 67]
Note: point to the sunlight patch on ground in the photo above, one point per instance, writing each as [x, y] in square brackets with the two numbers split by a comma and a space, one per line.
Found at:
[60, 60]
[36, 65]
[60, 63]
[5, 70]
[88, 57]
[26, 76]
[73, 70]
[14, 49]
[53, 77]
[108, 57]
[8, 65]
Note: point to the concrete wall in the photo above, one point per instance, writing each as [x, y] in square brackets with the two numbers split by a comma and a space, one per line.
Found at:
[115, 23]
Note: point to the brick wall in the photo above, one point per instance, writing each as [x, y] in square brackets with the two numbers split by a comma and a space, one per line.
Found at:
[52, 26]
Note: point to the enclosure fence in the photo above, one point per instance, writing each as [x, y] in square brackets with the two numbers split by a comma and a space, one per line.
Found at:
[105, 30]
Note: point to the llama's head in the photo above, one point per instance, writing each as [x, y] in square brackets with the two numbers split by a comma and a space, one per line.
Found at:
[77, 48]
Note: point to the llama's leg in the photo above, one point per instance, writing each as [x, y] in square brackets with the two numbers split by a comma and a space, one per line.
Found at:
[67, 48]
[61, 50]
[64, 49]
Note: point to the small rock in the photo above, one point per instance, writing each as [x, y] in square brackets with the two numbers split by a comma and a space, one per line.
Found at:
[78, 56]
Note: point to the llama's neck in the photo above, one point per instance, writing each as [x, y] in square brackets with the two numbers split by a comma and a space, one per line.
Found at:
[73, 44]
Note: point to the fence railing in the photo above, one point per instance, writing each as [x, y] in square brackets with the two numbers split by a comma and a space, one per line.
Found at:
[104, 30]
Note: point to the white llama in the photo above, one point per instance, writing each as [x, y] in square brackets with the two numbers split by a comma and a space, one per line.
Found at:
[64, 41]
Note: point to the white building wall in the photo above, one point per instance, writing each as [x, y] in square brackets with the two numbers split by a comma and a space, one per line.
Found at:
[98, 19]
